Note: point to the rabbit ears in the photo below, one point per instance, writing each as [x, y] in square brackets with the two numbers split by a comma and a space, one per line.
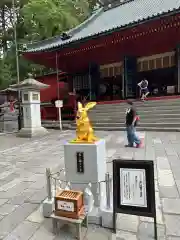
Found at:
[87, 107]
[90, 105]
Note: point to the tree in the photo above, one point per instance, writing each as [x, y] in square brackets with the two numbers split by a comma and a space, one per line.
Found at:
[35, 20]
[92, 4]
[48, 18]
[5, 74]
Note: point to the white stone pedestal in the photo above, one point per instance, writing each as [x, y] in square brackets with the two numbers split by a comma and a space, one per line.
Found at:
[94, 166]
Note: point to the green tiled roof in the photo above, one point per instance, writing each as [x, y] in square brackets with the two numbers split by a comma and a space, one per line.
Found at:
[104, 21]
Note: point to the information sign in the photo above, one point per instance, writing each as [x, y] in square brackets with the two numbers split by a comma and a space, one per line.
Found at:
[133, 189]
[59, 103]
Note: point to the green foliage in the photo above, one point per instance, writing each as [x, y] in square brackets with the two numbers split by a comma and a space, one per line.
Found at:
[44, 19]
[35, 20]
[5, 74]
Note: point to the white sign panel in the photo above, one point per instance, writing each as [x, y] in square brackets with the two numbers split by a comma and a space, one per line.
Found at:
[59, 103]
[65, 206]
[133, 187]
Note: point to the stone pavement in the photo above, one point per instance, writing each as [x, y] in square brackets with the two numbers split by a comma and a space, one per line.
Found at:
[22, 186]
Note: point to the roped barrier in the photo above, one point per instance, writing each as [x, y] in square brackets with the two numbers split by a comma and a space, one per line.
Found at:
[53, 179]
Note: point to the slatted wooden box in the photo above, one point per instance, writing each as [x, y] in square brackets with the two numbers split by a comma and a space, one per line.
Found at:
[69, 204]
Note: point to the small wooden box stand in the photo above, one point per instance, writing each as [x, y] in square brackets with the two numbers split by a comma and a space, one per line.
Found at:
[78, 222]
[69, 203]
[69, 207]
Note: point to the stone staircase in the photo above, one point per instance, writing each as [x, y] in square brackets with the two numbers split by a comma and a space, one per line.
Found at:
[155, 115]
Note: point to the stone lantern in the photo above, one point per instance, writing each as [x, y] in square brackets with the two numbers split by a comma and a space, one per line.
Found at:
[30, 92]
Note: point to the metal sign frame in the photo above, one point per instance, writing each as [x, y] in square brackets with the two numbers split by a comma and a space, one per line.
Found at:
[150, 210]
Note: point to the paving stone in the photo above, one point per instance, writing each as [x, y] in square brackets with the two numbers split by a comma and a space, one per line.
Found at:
[24, 231]
[6, 174]
[127, 222]
[170, 152]
[165, 178]
[159, 217]
[150, 154]
[33, 177]
[172, 223]
[22, 198]
[10, 185]
[23, 163]
[163, 163]
[178, 185]
[171, 206]
[45, 232]
[157, 141]
[146, 230]
[16, 190]
[68, 232]
[39, 184]
[139, 155]
[168, 192]
[121, 235]
[10, 222]
[96, 232]
[146, 219]
[38, 197]
[110, 152]
[7, 209]
[5, 195]
[176, 173]
[3, 201]
[174, 161]
[173, 238]
[36, 216]
[160, 152]
[9, 177]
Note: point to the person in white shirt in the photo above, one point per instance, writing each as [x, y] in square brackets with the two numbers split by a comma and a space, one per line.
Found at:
[143, 89]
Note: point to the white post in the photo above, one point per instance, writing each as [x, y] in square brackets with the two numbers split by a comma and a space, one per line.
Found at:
[60, 121]
[48, 182]
[59, 105]
[108, 191]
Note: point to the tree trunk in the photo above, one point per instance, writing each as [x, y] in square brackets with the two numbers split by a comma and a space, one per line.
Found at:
[3, 21]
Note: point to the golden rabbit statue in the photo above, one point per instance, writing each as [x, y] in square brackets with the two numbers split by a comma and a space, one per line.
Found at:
[84, 130]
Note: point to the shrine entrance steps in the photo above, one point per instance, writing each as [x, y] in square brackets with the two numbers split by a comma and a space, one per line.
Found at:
[162, 114]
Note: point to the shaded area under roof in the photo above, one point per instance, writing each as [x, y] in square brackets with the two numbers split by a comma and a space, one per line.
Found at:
[103, 21]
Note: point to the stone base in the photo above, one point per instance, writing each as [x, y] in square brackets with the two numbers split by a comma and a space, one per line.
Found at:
[94, 216]
[48, 207]
[107, 217]
[32, 132]
[94, 166]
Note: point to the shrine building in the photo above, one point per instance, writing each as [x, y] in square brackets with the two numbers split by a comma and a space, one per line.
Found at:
[121, 43]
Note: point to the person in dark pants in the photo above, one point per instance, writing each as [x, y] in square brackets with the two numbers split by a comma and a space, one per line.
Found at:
[131, 120]
[143, 89]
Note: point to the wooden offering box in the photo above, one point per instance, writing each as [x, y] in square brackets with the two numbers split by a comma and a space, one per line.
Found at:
[69, 204]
